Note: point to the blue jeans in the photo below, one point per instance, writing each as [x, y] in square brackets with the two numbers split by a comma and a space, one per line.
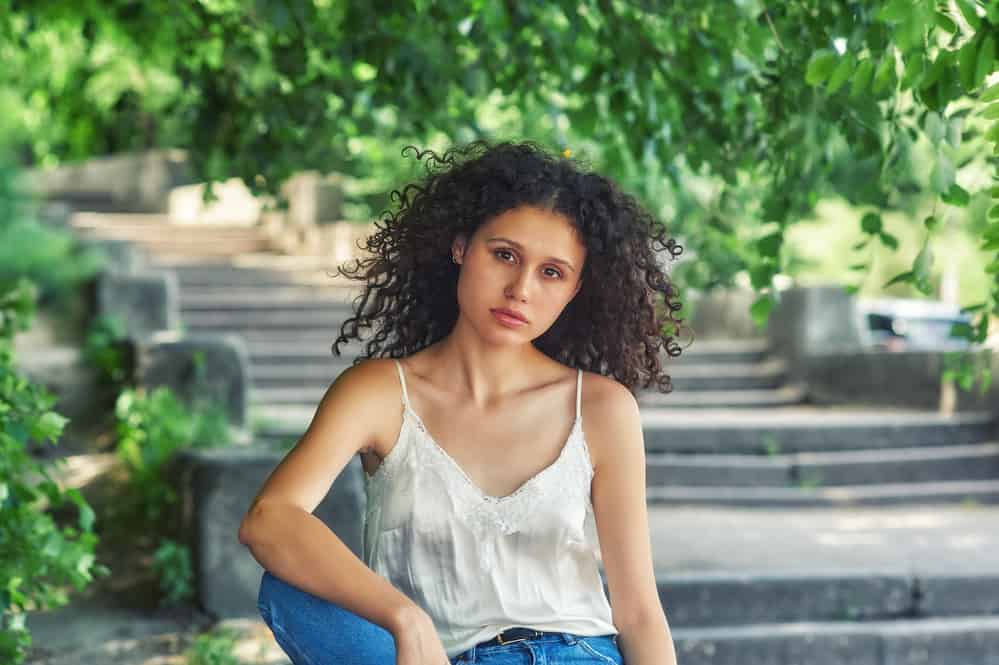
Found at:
[314, 631]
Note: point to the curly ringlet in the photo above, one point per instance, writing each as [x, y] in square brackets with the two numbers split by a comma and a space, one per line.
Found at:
[616, 325]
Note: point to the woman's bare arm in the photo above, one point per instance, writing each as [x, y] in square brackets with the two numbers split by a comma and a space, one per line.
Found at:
[279, 528]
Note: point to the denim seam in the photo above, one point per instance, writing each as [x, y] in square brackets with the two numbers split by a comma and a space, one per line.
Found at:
[589, 649]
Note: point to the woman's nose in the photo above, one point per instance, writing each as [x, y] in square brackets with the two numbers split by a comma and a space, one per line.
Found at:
[518, 288]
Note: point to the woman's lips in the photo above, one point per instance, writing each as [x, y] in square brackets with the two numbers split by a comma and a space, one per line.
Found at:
[507, 319]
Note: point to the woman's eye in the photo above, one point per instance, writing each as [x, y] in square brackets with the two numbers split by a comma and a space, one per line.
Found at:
[504, 252]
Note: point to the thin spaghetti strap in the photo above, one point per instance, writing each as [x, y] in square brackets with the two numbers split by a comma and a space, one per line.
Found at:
[579, 389]
[402, 380]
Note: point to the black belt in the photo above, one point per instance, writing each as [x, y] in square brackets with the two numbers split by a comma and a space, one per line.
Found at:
[515, 635]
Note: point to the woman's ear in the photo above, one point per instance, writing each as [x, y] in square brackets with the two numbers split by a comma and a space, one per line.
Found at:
[458, 248]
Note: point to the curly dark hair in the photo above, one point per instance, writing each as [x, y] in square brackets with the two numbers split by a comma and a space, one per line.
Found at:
[615, 325]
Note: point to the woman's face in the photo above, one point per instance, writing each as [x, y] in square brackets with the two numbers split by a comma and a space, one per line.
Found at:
[526, 259]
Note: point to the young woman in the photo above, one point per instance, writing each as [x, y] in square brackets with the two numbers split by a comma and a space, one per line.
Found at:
[518, 303]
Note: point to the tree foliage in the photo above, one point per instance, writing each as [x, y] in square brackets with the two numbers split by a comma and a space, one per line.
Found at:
[773, 106]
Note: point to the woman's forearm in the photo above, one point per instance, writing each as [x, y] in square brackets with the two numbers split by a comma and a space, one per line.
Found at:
[647, 642]
[300, 549]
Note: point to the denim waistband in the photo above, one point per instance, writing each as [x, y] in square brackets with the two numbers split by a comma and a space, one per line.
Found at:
[539, 637]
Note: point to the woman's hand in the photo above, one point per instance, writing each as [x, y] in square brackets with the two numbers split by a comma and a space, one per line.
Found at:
[417, 642]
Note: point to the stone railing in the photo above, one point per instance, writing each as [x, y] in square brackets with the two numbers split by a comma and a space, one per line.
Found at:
[818, 332]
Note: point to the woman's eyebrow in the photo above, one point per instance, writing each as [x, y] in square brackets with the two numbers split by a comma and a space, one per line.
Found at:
[553, 259]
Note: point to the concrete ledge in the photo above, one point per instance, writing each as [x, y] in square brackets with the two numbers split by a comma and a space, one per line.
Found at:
[209, 367]
[147, 302]
[722, 599]
[134, 182]
[121, 256]
[884, 378]
[217, 487]
[958, 641]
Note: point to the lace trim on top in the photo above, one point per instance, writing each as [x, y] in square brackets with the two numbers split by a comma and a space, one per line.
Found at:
[486, 514]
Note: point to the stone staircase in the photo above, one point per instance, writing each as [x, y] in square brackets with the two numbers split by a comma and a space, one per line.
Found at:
[735, 451]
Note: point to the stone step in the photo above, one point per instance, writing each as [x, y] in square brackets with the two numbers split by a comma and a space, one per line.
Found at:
[727, 350]
[237, 321]
[730, 598]
[978, 461]
[782, 398]
[176, 232]
[255, 300]
[201, 276]
[758, 433]
[320, 369]
[787, 395]
[311, 345]
[955, 491]
[955, 641]
[808, 429]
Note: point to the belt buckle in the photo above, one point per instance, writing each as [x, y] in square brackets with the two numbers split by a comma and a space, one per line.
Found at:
[502, 641]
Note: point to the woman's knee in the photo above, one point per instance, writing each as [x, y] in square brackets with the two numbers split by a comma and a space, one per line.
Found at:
[315, 625]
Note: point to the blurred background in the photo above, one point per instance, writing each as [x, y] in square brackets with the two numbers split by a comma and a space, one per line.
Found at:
[178, 181]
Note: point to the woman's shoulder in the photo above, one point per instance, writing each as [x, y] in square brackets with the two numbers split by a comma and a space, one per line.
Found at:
[376, 382]
[605, 404]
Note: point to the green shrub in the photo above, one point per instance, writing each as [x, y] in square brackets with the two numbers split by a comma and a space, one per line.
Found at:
[213, 648]
[172, 563]
[152, 427]
[38, 557]
[52, 258]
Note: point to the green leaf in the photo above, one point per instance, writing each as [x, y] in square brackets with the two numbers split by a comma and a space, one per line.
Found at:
[974, 308]
[760, 310]
[820, 66]
[994, 212]
[770, 245]
[991, 112]
[934, 127]
[942, 176]
[992, 267]
[986, 59]
[860, 266]
[990, 94]
[991, 232]
[842, 73]
[761, 275]
[945, 22]
[884, 73]
[871, 223]
[970, 15]
[914, 67]
[967, 58]
[888, 240]
[992, 133]
[922, 263]
[954, 130]
[956, 196]
[48, 427]
[901, 277]
[895, 11]
[861, 77]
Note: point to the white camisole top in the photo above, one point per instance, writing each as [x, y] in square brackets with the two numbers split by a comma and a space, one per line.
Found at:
[479, 564]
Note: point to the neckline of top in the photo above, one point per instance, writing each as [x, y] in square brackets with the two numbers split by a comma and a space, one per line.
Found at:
[576, 428]
[421, 426]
